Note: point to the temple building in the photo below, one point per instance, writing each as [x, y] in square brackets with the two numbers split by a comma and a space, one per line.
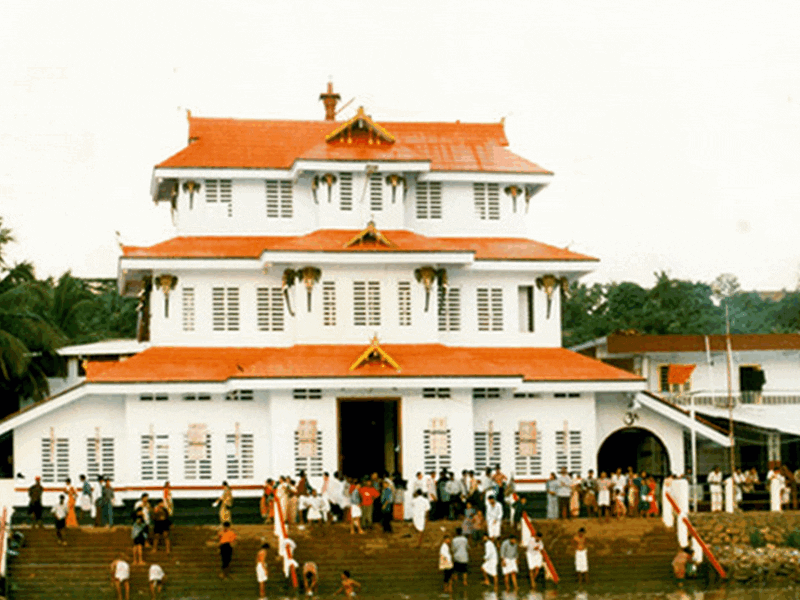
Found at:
[353, 295]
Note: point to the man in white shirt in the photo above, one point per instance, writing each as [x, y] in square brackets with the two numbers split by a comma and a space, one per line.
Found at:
[494, 517]
[533, 554]
[715, 487]
[60, 513]
[776, 483]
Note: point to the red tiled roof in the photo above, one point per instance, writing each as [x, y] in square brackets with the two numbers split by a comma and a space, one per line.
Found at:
[416, 360]
[626, 344]
[251, 144]
[334, 240]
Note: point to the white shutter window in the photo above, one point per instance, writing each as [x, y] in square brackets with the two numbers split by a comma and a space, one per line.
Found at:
[404, 303]
[269, 309]
[308, 449]
[376, 192]
[359, 303]
[99, 457]
[436, 392]
[239, 396]
[197, 397]
[374, 303]
[307, 394]
[487, 450]
[279, 199]
[239, 456]
[219, 190]
[569, 454]
[329, 303]
[479, 197]
[366, 303]
[55, 459]
[527, 450]
[225, 308]
[154, 457]
[493, 201]
[437, 446]
[346, 191]
[490, 309]
[449, 309]
[187, 297]
[428, 200]
[197, 455]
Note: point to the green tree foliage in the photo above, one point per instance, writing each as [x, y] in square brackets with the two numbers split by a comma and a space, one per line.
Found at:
[674, 306]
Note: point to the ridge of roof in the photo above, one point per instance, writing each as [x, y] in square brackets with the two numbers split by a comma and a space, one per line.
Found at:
[622, 344]
[334, 240]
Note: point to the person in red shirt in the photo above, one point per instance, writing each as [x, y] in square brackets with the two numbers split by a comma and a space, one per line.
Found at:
[368, 496]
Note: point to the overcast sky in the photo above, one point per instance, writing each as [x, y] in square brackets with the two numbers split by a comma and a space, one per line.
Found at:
[673, 128]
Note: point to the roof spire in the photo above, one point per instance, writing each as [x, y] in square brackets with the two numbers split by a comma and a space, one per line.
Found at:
[329, 99]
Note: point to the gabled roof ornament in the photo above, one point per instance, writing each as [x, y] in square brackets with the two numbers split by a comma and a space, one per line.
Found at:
[374, 354]
[370, 234]
[375, 134]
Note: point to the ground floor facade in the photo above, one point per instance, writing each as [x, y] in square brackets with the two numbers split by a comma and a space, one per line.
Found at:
[197, 435]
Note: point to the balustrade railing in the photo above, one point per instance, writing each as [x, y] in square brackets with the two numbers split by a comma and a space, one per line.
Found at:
[720, 399]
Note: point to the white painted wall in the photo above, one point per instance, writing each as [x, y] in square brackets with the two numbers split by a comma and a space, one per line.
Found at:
[307, 327]
[610, 411]
[248, 215]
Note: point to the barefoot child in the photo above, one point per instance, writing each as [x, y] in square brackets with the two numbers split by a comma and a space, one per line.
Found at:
[581, 558]
[60, 513]
[120, 575]
[349, 585]
[489, 566]
[261, 570]
[156, 577]
[533, 554]
[310, 578]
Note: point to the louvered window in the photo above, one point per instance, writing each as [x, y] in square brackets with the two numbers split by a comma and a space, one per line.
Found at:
[345, 191]
[279, 199]
[367, 303]
[437, 446]
[197, 456]
[488, 445]
[525, 296]
[569, 454]
[152, 397]
[306, 394]
[435, 392]
[154, 457]
[487, 200]
[490, 309]
[99, 457]
[239, 396]
[329, 303]
[404, 303]
[197, 397]
[239, 456]
[219, 190]
[429, 200]
[376, 192]
[527, 450]
[269, 309]
[225, 308]
[308, 449]
[449, 309]
[187, 318]
[55, 459]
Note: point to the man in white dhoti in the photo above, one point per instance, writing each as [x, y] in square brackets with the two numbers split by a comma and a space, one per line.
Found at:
[533, 554]
[776, 485]
[420, 506]
[494, 517]
[715, 487]
[489, 566]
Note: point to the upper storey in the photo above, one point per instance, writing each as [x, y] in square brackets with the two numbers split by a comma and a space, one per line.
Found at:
[293, 177]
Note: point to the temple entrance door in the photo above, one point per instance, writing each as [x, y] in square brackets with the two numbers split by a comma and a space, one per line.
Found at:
[633, 447]
[369, 436]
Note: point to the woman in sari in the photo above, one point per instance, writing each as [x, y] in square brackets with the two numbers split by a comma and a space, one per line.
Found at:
[552, 497]
[72, 498]
[652, 510]
[266, 506]
[167, 495]
[225, 502]
[575, 496]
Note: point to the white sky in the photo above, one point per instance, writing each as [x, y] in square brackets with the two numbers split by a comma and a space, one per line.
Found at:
[673, 127]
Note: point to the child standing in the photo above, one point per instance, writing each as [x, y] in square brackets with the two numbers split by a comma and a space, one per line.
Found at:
[581, 556]
[60, 513]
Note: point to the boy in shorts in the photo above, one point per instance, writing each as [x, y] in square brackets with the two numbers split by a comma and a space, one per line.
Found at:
[60, 514]
[120, 576]
[161, 525]
[156, 577]
[261, 570]
[349, 585]
[581, 558]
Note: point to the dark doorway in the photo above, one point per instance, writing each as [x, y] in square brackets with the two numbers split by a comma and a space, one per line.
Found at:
[633, 447]
[369, 436]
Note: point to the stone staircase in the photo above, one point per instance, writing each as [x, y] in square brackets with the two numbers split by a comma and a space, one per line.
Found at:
[630, 555]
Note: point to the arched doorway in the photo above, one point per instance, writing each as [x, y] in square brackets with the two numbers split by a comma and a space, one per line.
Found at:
[633, 447]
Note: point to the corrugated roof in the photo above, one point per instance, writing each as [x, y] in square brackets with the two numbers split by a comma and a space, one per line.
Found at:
[179, 364]
[626, 344]
[335, 240]
[276, 144]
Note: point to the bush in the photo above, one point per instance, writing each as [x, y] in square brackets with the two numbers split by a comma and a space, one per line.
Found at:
[756, 539]
[793, 539]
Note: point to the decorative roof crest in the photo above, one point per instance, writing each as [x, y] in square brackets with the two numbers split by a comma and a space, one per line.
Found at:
[370, 234]
[375, 354]
[361, 121]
